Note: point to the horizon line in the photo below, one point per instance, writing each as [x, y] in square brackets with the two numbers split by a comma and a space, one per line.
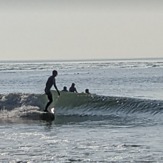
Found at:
[73, 60]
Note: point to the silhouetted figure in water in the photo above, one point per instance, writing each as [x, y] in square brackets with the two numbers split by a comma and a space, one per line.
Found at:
[87, 91]
[50, 82]
[72, 88]
[64, 89]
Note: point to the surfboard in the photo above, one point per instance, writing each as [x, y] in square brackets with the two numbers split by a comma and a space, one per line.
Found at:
[48, 116]
[35, 114]
[51, 110]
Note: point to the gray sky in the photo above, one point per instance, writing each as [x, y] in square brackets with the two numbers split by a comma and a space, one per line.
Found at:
[80, 29]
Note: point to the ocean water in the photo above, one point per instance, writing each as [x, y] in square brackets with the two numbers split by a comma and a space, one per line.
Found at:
[120, 121]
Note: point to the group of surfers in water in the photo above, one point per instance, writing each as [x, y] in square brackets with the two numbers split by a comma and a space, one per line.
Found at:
[73, 89]
[50, 82]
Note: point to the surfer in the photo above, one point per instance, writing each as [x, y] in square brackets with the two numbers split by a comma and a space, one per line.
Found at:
[49, 83]
[64, 89]
[72, 88]
[87, 91]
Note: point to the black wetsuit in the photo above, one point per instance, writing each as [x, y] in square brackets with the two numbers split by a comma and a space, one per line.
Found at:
[49, 84]
[72, 89]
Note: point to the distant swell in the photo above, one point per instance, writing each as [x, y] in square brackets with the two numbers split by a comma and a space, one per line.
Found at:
[82, 104]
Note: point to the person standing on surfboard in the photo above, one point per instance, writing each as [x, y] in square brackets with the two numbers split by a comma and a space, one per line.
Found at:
[50, 82]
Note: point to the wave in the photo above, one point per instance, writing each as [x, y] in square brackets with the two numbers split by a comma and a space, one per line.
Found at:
[82, 104]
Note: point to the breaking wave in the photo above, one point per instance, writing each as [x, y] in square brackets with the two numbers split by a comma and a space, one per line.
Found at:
[81, 104]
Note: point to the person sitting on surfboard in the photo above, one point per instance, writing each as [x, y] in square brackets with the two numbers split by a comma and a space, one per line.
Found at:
[87, 91]
[64, 89]
[50, 82]
[72, 88]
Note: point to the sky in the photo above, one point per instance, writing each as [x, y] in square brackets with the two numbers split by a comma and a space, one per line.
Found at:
[80, 29]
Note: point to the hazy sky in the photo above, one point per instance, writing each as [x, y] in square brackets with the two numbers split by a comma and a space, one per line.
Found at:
[80, 29]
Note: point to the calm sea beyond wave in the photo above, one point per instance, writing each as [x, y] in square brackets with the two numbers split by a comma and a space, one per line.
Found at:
[120, 121]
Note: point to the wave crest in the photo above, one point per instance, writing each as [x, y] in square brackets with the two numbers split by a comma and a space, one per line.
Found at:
[83, 104]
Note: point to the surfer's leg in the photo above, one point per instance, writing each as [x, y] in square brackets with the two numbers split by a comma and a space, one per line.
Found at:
[50, 101]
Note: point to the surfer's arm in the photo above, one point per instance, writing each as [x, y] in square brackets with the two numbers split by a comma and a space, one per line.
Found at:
[54, 83]
[56, 89]
[76, 90]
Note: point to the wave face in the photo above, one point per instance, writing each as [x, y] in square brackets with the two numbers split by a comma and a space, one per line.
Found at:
[81, 104]
[94, 105]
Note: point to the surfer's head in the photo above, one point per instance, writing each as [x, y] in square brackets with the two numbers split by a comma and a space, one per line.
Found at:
[87, 91]
[55, 73]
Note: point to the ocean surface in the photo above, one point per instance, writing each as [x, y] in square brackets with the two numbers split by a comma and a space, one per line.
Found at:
[120, 121]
